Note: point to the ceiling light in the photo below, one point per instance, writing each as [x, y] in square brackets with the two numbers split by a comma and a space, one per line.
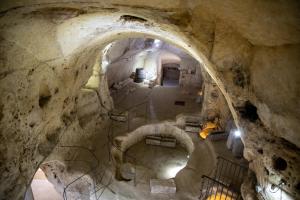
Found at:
[237, 133]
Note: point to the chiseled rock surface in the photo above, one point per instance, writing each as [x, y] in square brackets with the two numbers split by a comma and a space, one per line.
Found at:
[274, 160]
[48, 53]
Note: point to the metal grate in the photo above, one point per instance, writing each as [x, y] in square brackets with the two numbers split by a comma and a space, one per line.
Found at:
[226, 182]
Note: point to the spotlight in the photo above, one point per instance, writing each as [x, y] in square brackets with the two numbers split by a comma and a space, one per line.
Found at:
[105, 62]
[237, 133]
[157, 43]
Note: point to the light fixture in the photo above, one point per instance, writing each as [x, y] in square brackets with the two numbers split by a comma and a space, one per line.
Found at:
[156, 43]
[237, 133]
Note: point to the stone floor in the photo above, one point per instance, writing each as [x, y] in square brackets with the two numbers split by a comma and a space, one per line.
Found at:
[164, 161]
[156, 104]
[148, 106]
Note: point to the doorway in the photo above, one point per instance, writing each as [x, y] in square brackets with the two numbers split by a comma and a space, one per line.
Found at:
[170, 75]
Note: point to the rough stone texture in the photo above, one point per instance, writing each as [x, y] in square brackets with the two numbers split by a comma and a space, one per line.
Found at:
[60, 176]
[248, 187]
[214, 107]
[273, 159]
[162, 186]
[127, 171]
[48, 53]
[278, 106]
[232, 54]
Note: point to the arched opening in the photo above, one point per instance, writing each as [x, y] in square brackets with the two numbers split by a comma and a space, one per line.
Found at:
[134, 106]
[48, 96]
[120, 28]
[170, 75]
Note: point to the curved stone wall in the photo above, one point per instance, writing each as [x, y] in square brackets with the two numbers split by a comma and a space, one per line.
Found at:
[122, 143]
[48, 50]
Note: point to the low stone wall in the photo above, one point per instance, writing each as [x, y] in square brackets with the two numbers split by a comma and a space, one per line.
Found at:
[122, 143]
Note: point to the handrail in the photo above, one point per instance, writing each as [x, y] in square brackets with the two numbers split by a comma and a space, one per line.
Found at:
[214, 180]
[97, 165]
[226, 180]
[110, 144]
[243, 166]
[211, 188]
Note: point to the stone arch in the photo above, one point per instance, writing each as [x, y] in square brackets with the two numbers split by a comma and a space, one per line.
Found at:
[168, 33]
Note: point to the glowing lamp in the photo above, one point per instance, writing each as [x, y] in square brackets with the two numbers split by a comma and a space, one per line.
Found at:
[237, 133]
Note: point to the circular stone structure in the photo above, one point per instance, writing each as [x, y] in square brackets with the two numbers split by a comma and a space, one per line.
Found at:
[200, 157]
[122, 143]
[164, 161]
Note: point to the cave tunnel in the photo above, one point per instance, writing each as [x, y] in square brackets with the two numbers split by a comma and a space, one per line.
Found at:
[149, 100]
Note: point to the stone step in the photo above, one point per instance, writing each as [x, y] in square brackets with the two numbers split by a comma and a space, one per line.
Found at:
[162, 186]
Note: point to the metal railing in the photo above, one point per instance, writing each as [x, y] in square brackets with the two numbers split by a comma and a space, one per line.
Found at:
[81, 177]
[215, 190]
[98, 175]
[225, 183]
[230, 173]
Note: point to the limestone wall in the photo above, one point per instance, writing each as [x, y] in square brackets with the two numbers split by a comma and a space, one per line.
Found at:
[47, 53]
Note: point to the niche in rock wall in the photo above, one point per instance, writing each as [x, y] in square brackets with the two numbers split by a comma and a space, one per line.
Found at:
[131, 18]
[249, 111]
[279, 163]
[44, 95]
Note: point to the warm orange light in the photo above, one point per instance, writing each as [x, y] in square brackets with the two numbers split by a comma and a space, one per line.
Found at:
[209, 126]
[218, 196]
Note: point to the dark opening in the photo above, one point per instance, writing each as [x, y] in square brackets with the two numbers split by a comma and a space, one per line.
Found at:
[149, 43]
[266, 171]
[1, 111]
[298, 186]
[249, 111]
[261, 151]
[44, 95]
[44, 100]
[132, 18]
[279, 163]
[179, 103]
[170, 75]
